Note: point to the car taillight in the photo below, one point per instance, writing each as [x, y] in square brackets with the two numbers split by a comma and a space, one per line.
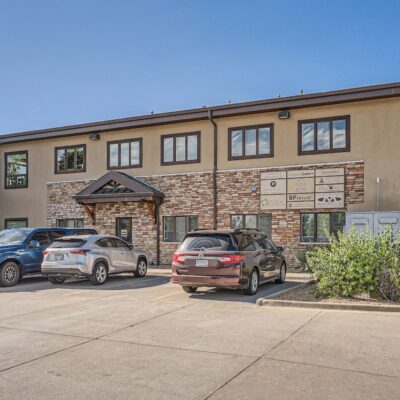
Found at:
[79, 252]
[178, 257]
[45, 252]
[228, 259]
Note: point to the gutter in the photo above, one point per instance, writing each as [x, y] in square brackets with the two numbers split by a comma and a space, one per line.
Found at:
[215, 168]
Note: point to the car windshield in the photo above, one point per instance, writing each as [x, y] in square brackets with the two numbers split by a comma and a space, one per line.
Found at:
[215, 242]
[67, 243]
[10, 237]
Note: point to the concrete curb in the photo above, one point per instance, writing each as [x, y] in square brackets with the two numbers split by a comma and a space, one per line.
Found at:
[271, 302]
[327, 306]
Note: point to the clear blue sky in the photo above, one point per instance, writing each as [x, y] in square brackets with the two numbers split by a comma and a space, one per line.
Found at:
[67, 62]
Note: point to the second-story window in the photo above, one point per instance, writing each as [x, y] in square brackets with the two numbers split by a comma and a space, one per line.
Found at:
[125, 154]
[16, 170]
[70, 159]
[325, 135]
[182, 148]
[251, 142]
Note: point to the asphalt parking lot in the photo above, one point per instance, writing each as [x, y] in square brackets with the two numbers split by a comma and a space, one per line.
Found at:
[147, 339]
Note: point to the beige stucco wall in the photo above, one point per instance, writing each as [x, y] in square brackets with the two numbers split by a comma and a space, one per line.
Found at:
[375, 138]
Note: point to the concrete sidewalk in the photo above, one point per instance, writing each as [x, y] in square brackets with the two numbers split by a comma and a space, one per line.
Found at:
[147, 339]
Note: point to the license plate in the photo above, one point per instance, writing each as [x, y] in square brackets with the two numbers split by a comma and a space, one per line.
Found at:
[201, 263]
[59, 257]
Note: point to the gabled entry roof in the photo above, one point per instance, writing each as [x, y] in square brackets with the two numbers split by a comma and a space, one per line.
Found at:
[115, 187]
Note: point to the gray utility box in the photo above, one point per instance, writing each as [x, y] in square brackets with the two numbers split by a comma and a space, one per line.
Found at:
[375, 221]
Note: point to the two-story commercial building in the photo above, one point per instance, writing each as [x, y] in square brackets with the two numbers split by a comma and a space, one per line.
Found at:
[289, 166]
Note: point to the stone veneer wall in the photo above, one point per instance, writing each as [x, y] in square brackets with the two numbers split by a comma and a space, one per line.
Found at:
[191, 194]
[184, 195]
[235, 196]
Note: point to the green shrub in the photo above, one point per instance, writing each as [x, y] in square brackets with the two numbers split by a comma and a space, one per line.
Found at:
[354, 264]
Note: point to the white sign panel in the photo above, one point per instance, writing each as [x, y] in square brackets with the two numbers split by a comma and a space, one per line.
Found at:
[329, 200]
[273, 175]
[300, 201]
[301, 174]
[329, 188]
[303, 189]
[329, 180]
[301, 185]
[273, 202]
[273, 186]
[330, 172]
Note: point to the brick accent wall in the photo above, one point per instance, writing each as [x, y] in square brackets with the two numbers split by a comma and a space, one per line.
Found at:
[191, 194]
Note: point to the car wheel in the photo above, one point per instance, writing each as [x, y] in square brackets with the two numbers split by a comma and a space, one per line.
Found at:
[282, 274]
[100, 273]
[189, 289]
[9, 274]
[56, 280]
[141, 268]
[252, 288]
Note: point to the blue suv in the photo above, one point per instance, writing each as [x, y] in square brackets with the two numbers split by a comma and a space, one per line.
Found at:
[21, 250]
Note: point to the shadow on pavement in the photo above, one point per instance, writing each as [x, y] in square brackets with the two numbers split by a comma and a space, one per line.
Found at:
[218, 294]
[117, 282]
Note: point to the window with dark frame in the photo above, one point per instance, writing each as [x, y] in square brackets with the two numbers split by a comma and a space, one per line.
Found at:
[325, 135]
[70, 223]
[251, 142]
[70, 159]
[263, 222]
[180, 148]
[125, 154]
[15, 223]
[175, 228]
[316, 227]
[16, 170]
[123, 228]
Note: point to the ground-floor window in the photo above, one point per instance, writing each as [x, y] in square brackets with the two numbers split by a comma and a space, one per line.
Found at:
[123, 228]
[316, 227]
[175, 228]
[70, 223]
[263, 222]
[11, 223]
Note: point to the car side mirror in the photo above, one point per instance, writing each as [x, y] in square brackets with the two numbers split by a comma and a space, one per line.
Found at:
[34, 244]
[281, 248]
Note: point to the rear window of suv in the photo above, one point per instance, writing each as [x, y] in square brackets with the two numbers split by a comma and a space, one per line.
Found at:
[215, 242]
[67, 243]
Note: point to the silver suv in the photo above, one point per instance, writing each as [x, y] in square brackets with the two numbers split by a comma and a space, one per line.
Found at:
[94, 257]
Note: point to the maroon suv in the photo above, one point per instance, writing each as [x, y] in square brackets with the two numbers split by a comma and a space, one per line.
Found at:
[235, 259]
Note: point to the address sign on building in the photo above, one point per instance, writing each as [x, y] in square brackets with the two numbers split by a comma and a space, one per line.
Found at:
[302, 189]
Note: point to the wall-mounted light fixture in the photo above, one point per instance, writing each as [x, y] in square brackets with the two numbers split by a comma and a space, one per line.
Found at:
[94, 136]
[283, 114]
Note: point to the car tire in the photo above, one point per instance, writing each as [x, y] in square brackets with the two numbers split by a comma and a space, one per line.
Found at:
[10, 274]
[254, 282]
[189, 289]
[100, 273]
[141, 268]
[282, 274]
[56, 280]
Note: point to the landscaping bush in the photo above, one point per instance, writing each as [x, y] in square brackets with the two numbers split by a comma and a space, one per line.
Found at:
[357, 263]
